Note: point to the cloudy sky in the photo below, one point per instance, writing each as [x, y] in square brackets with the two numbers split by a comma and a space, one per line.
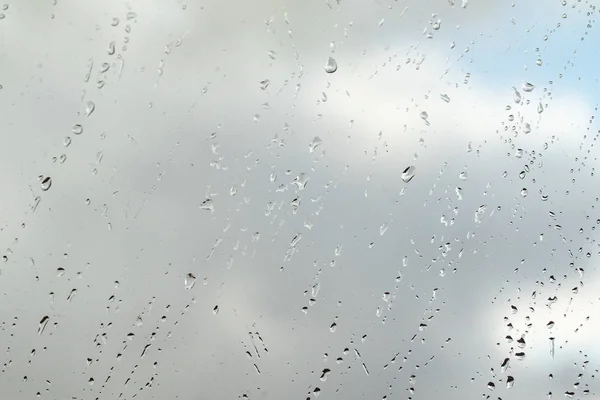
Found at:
[227, 219]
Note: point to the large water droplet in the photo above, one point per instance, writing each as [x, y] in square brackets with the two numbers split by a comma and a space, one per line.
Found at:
[77, 129]
[331, 65]
[46, 183]
[408, 173]
[510, 382]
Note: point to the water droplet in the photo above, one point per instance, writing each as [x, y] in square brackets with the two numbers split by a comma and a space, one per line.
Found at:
[316, 142]
[62, 158]
[71, 295]
[524, 192]
[540, 108]
[189, 281]
[46, 183]
[539, 62]
[216, 309]
[111, 48]
[510, 382]
[331, 65]
[383, 229]
[528, 87]
[550, 325]
[264, 84]
[436, 25]
[504, 365]
[77, 130]
[491, 385]
[333, 327]
[463, 176]
[445, 97]
[516, 95]
[114, 22]
[324, 374]
[409, 173]
[42, 324]
[300, 181]
[519, 153]
[272, 54]
[89, 108]
[207, 205]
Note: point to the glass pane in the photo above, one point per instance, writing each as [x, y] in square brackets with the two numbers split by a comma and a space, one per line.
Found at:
[291, 199]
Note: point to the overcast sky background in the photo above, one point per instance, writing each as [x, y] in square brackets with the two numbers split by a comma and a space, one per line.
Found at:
[187, 165]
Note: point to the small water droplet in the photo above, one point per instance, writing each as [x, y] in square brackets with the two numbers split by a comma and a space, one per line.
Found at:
[516, 95]
[436, 25]
[89, 108]
[42, 324]
[62, 158]
[71, 295]
[333, 327]
[114, 22]
[550, 325]
[331, 65]
[189, 281]
[77, 130]
[409, 173]
[46, 183]
[524, 192]
[207, 205]
[445, 97]
[264, 84]
[111, 48]
[528, 87]
[316, 142]
[216, 309]
[383, 229]
[272, 54]
[539, 62]
[519, 153]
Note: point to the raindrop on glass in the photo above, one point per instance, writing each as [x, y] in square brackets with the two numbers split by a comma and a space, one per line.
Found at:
[207, 205]
[528, 87]
[42, 324]
[189, 281]
[77, 130]
[46, 183]
[408, 173]
[331, 65]
[89, 108]
[510, 382]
